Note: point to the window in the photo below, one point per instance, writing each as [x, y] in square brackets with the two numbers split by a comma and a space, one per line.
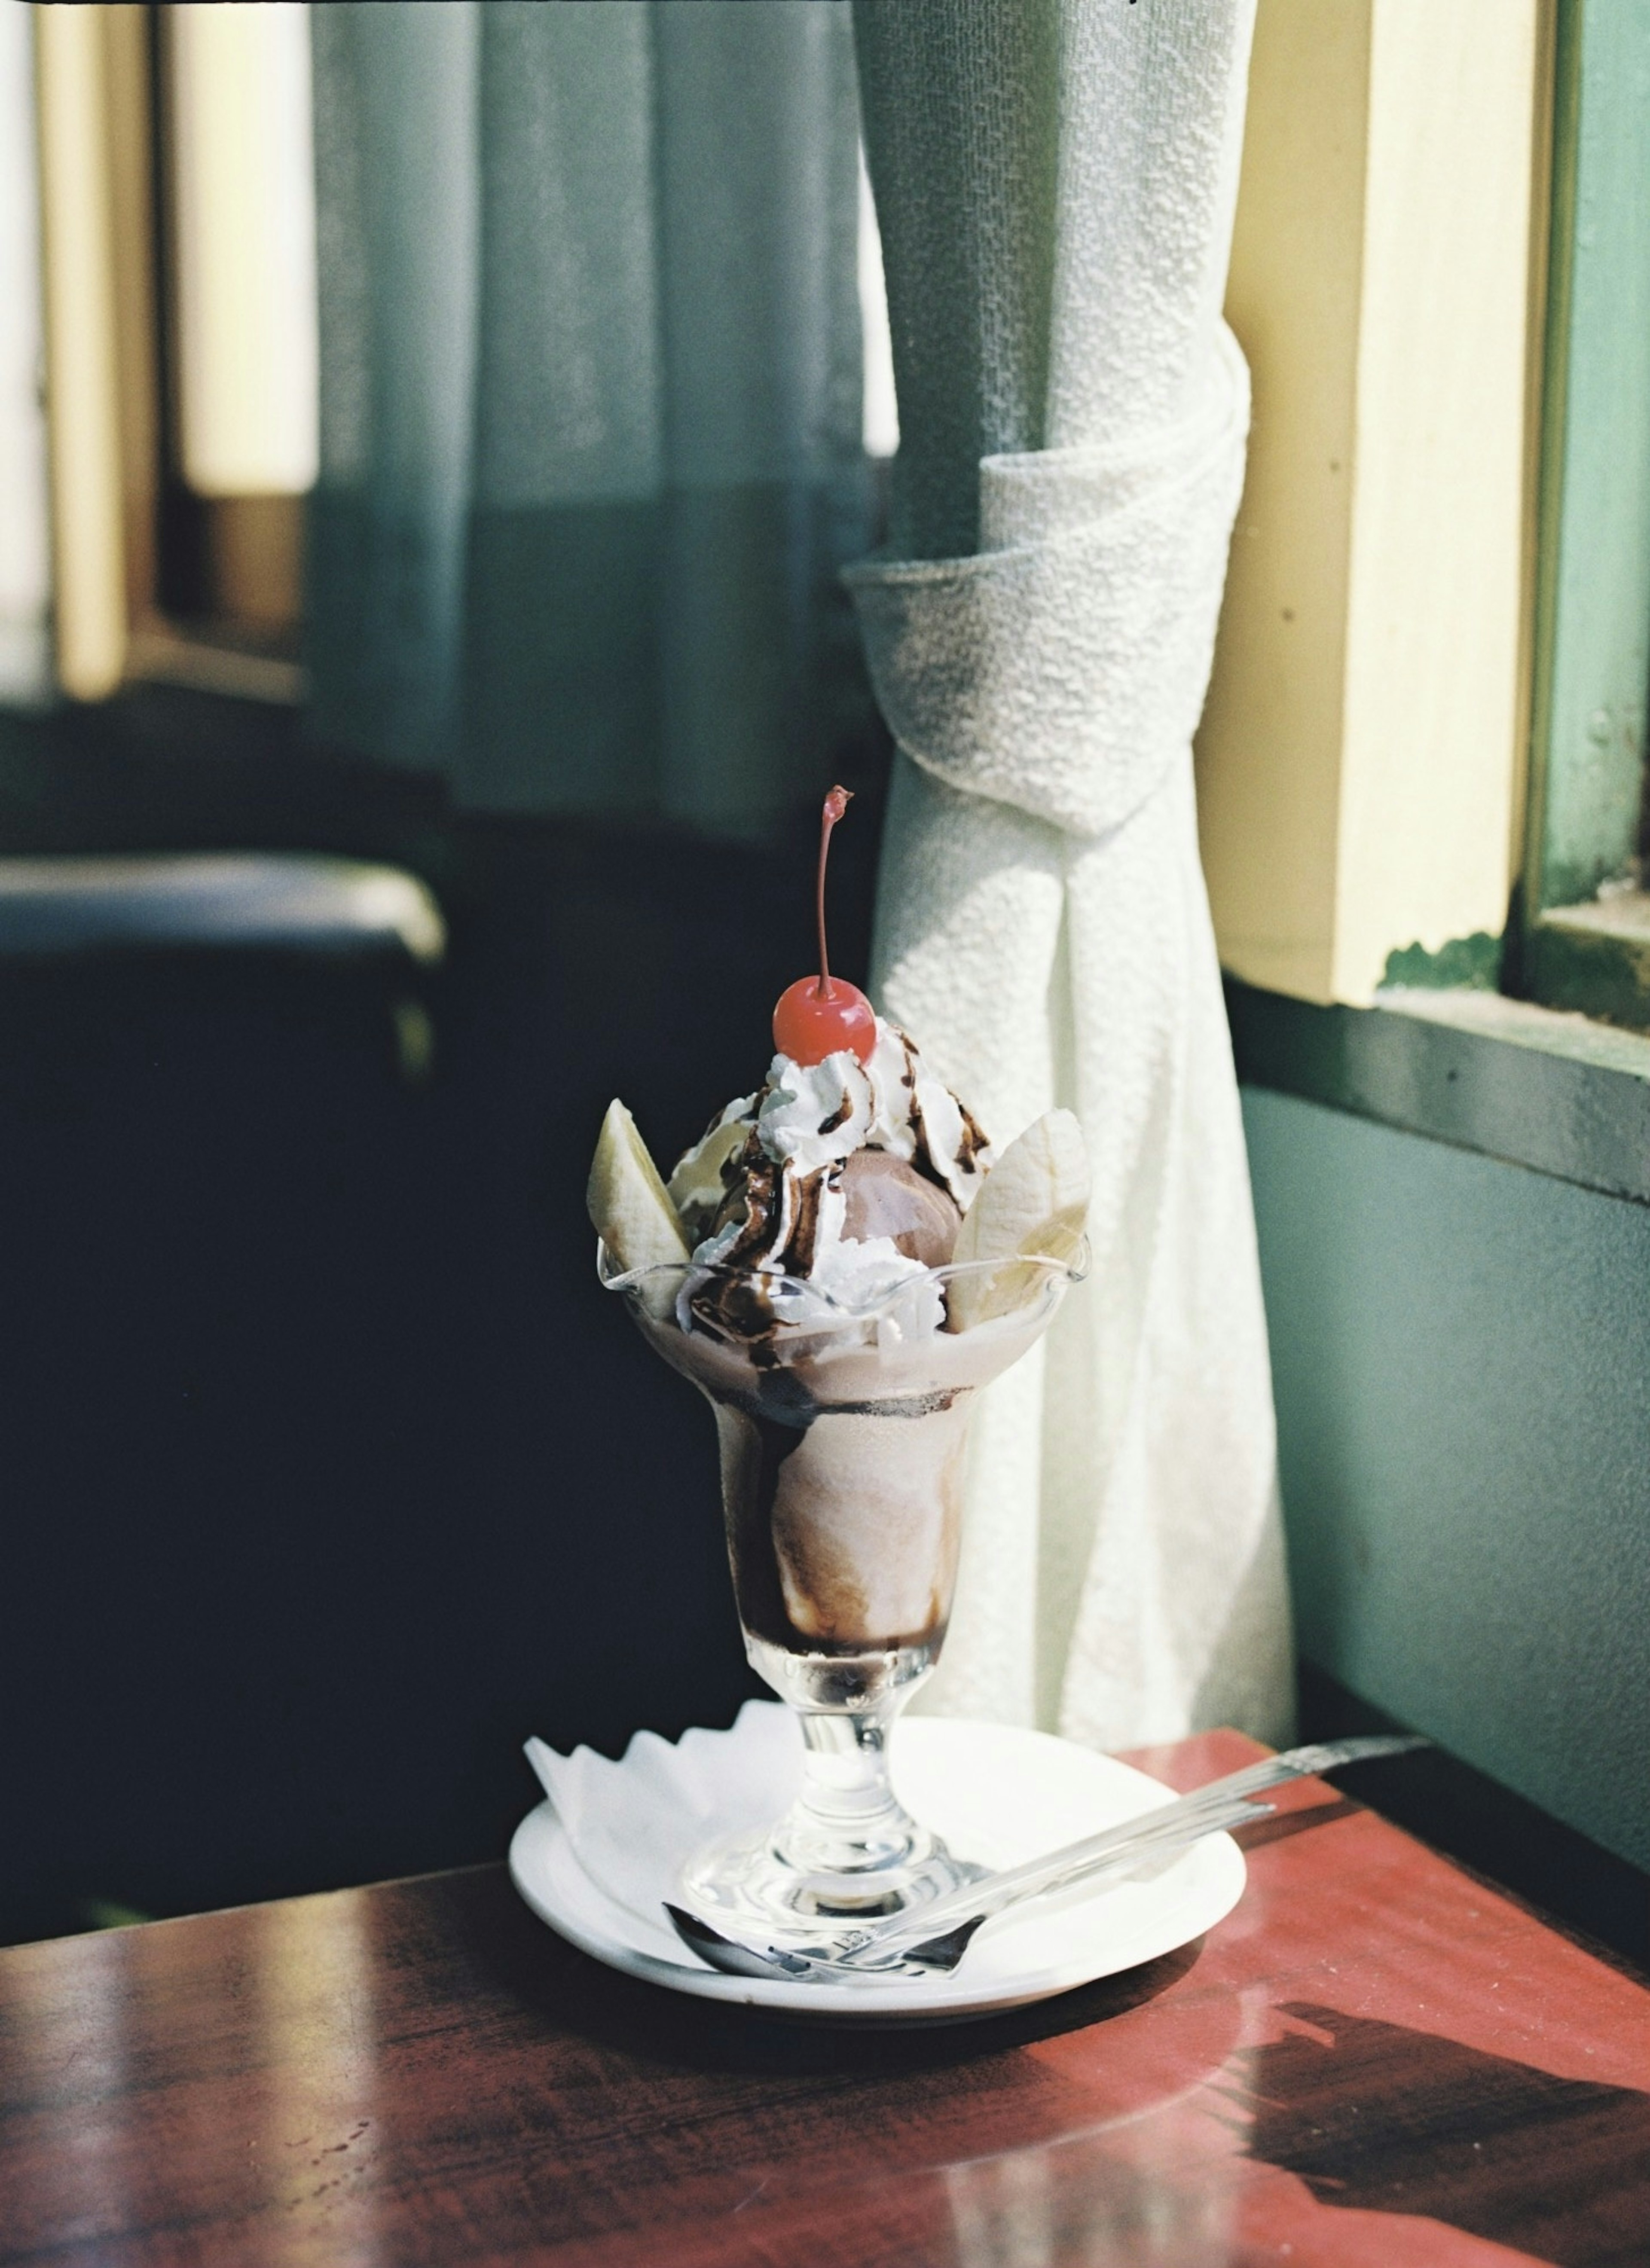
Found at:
[1361, 761]
[1423, 759]
[177, 167]
[180, 299]
[1583, 936]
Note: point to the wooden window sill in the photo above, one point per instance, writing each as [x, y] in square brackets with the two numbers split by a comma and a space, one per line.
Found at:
[1535, 1086]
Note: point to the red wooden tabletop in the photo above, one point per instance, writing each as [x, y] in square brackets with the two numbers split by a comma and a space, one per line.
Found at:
[1374, 2060]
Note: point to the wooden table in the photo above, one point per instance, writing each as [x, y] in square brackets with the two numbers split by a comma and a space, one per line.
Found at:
[1376, 2060]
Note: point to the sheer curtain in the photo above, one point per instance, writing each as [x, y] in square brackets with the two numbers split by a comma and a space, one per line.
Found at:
[1055, 182]
[591, 400]
[591, 458]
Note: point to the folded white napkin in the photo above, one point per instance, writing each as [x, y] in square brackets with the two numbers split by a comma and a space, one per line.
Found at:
[631, 1825]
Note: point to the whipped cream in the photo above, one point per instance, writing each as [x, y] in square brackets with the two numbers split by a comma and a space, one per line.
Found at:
[761, 1193]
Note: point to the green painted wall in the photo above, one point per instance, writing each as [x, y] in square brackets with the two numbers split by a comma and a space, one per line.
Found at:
[1461, 1353]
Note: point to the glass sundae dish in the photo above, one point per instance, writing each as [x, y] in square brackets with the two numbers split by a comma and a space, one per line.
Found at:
[839, 1265]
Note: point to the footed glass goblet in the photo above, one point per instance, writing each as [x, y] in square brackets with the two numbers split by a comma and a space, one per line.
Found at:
[842, 1433]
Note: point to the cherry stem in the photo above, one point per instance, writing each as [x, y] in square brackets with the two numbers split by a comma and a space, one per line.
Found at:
[836, 803]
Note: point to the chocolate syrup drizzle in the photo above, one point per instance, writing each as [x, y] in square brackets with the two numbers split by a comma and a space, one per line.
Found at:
[776, 1211]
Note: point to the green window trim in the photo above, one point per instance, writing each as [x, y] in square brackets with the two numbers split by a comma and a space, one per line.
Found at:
[1560, 1095]
[1572, 946]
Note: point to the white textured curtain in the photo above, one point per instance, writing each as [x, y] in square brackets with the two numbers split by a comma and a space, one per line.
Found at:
[591, 407]
[1055, 182]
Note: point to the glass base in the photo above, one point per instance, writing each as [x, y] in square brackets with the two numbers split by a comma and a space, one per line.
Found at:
[848, 1851]
[762, 1885]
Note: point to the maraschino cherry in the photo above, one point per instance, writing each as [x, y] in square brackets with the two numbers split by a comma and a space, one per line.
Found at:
[819, 1016]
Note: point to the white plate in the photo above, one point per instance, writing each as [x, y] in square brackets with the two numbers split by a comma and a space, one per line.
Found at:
[997, 1794]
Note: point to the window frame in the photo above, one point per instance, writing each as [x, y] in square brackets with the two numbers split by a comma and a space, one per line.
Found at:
[1581, 935]
[121, 521]
[1361, 762]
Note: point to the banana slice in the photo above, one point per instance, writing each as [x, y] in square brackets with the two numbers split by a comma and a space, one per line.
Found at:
[629, 1208]
[1034, 1201]
[696, 1189]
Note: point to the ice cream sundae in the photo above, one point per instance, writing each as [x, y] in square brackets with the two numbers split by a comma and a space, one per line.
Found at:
[838, 1264]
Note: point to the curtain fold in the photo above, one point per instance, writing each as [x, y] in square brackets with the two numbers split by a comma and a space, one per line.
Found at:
[1055, 183]
[395, 200]
[591, 400]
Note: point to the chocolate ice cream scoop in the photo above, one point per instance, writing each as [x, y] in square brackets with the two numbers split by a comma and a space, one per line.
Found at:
[885, 1196]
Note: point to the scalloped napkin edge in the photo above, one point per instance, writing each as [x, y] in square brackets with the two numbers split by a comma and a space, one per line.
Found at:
[631, 1825]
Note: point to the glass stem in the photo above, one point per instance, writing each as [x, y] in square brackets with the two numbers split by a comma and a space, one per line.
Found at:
[847, 1818]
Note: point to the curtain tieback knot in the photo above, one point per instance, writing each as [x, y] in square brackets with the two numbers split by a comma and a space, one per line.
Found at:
[1063, 667]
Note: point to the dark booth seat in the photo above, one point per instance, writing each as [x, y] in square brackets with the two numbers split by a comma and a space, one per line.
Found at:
[291, 902]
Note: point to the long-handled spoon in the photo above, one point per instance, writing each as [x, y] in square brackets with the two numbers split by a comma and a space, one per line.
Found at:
[932, 1940]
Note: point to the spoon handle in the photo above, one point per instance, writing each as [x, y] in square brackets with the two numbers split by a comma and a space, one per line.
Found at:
[1168, 1825]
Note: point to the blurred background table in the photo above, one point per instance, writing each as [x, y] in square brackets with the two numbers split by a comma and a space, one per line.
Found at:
[1377, 2058]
